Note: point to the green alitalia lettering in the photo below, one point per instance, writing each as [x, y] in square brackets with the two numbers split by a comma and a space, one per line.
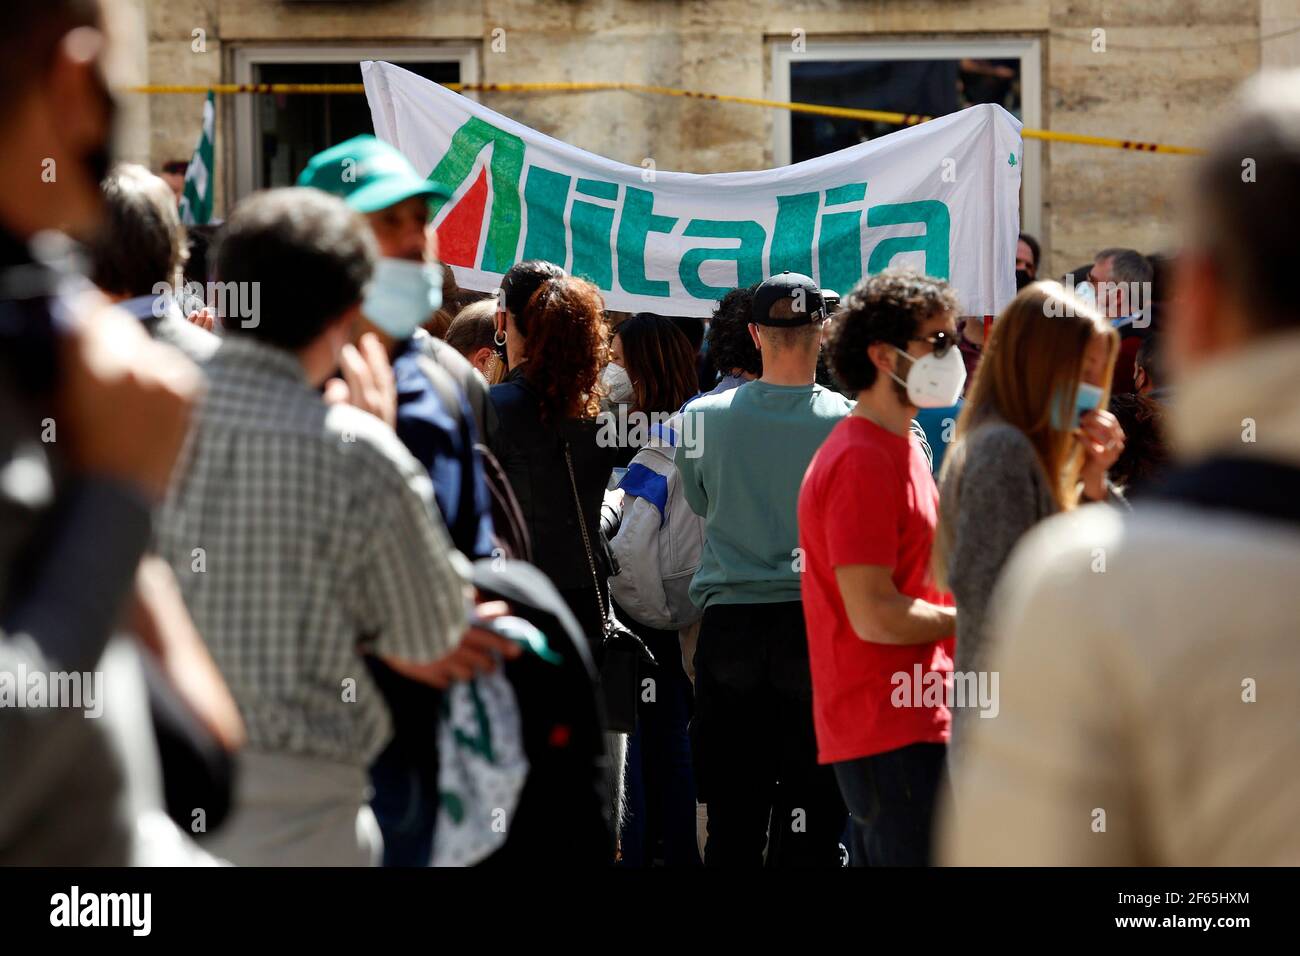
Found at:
[748, 256]
[505, 219]
[839, 247]
[839, 251]
[592, 226]
[792, 236]
[598, 188]
[546, 193]
[839, 195]
[637, 222]
[933, 242]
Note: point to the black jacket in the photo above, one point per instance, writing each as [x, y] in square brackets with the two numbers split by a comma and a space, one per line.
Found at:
[532, 454]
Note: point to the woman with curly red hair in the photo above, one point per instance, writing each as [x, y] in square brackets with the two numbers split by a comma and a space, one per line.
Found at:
[557, 341]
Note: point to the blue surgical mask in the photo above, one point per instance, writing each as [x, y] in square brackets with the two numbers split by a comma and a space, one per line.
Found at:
[402, 295]
[1086, 398]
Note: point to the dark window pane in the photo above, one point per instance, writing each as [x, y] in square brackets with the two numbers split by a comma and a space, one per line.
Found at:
[927, 87]
[294, 127]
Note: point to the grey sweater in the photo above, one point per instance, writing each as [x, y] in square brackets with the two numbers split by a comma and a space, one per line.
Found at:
[992, 490]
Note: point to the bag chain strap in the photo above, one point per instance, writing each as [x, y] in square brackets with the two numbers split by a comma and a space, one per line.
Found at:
[586, 541]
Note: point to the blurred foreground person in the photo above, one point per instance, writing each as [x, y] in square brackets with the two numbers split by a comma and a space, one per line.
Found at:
[1150, 664]
[1034, 438]
[92, 417]
[303, 537]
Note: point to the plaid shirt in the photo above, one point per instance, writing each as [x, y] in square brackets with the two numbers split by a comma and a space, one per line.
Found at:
[319, 542]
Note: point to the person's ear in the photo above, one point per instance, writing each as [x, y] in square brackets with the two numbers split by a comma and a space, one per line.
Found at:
[883, 357]
[753, 334]
[483, 359]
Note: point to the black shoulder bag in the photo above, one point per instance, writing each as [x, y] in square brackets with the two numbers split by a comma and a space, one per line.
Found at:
[619, 648]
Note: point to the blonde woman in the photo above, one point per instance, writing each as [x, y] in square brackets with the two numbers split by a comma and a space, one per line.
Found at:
[1033, 438]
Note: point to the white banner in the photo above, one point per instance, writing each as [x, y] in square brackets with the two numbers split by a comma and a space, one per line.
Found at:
[942, 197]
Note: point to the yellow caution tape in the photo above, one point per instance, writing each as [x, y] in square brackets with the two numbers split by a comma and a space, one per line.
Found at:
[839, 112]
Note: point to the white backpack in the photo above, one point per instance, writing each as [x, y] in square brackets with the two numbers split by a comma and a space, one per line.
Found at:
[659, 541]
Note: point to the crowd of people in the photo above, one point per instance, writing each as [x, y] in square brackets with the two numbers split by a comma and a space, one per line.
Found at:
[376, 569]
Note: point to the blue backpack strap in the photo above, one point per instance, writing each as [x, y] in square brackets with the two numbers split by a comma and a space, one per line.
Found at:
[643, 482]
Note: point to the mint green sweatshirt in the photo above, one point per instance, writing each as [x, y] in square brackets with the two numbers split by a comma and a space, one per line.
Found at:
[742, 472]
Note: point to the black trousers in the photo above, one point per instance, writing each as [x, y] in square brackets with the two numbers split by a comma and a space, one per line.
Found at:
[754, 747]
[892, 797]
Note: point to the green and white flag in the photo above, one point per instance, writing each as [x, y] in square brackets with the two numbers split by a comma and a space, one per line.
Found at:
[196, 200]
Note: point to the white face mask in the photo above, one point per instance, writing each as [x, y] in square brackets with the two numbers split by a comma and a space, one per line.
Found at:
[401, 296]
[934, 382]
[617, 383]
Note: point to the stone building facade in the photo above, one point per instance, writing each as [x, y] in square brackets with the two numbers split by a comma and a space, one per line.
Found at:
[1162, 70]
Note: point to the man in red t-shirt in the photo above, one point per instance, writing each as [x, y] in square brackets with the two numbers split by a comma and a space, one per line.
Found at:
[879, 632]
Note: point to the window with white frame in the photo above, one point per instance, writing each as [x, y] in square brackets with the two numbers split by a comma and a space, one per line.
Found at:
[926, 77]
[275, 134]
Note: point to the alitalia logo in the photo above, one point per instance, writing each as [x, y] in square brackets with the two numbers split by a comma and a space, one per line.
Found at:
[504, 210]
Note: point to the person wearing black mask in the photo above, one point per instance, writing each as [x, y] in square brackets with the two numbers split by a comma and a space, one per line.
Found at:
[1028, 254]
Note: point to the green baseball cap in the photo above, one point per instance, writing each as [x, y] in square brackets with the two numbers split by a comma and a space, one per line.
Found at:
[368, 174]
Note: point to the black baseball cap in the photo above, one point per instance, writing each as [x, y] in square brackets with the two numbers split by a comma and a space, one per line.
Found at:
[787, 285]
